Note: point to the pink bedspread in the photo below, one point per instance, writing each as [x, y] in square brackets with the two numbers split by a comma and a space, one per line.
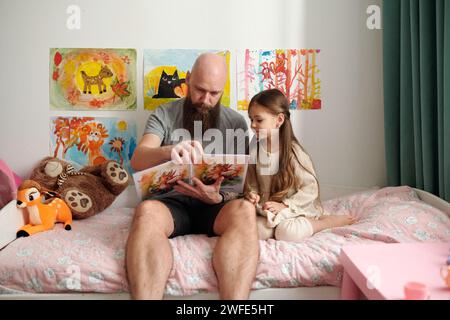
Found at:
[90, 258]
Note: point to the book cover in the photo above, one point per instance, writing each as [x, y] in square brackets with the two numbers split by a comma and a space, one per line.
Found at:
[162, 178]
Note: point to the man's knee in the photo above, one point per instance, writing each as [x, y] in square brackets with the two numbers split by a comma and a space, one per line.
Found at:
[236, 214]
[241, 211]
[154, 216]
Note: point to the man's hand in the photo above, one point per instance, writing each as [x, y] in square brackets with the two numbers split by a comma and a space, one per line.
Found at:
[205, 193]
[187, 152]
[253, 197]
[274, 207]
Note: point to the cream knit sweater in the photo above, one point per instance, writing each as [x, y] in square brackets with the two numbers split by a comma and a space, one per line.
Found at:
[301, 202]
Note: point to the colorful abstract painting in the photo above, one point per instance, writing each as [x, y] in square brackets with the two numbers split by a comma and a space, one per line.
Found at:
[216, 166]
[92, 79]
[165, 75]
[91, 141]
[293, 72]
[160, 179]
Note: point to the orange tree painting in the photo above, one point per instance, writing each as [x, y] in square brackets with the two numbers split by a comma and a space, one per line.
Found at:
[92, 79]
[66, 133]
[92, 141]
[160, 179]
[293, 72]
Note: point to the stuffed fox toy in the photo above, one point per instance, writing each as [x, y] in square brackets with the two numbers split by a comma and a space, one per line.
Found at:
[43, 214]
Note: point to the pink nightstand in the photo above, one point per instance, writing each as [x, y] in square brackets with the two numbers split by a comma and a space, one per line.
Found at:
[380, 271]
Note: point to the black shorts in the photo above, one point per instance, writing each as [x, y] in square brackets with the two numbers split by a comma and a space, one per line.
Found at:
[190, 216]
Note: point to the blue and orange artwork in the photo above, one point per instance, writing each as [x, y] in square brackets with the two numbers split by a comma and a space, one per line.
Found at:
[92, 79]
[293, 72]
[165, 75]
[93, 140]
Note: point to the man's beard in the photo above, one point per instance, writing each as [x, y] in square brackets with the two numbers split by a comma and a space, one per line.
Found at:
[199, 112]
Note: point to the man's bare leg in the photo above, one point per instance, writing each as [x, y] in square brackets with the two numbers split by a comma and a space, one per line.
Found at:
[237, 251]
[149, 256]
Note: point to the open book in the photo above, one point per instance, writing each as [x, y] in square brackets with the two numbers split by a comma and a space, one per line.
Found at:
[162, 178]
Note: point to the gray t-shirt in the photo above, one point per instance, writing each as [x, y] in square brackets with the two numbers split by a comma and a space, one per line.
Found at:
[230, 136]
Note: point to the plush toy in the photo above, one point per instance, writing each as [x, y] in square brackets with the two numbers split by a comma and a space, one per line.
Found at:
[88, 191]
[43, 213]
[9, 182]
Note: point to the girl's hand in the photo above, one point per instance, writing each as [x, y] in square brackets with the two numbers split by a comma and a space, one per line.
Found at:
[274, 207]
[253, 197]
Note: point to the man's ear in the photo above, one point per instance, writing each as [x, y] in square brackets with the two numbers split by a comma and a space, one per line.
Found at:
[188, 77]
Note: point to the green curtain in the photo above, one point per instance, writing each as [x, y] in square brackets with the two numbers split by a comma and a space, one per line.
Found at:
[416, 58]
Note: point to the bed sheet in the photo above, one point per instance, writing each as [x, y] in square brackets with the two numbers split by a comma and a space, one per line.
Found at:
[90, 258]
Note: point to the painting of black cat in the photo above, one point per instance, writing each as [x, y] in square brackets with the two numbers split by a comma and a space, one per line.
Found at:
[167, 85]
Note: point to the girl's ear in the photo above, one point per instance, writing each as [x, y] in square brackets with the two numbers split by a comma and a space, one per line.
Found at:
[280, 120]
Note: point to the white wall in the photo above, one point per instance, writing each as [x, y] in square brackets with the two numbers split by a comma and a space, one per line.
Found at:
[345, 138]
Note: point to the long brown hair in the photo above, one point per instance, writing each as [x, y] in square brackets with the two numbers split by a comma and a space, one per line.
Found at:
[275, 102]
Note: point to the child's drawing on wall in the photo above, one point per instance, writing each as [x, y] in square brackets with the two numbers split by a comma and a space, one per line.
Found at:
[92, 141]
[293, 72]
[165, 75]
[92, 79]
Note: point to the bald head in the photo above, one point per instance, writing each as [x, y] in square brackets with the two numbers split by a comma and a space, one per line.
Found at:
[210, 64]
[207, 79]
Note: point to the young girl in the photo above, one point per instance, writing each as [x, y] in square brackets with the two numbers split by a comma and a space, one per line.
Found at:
[284, 189]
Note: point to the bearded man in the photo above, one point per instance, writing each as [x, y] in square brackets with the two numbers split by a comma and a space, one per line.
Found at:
[198, 208]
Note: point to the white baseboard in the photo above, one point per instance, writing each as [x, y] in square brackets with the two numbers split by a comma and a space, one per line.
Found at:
[299, 293]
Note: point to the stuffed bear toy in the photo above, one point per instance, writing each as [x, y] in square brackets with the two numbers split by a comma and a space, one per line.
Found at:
[87, 191]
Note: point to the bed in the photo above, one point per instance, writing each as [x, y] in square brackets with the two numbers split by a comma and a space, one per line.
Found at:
[88, 262]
